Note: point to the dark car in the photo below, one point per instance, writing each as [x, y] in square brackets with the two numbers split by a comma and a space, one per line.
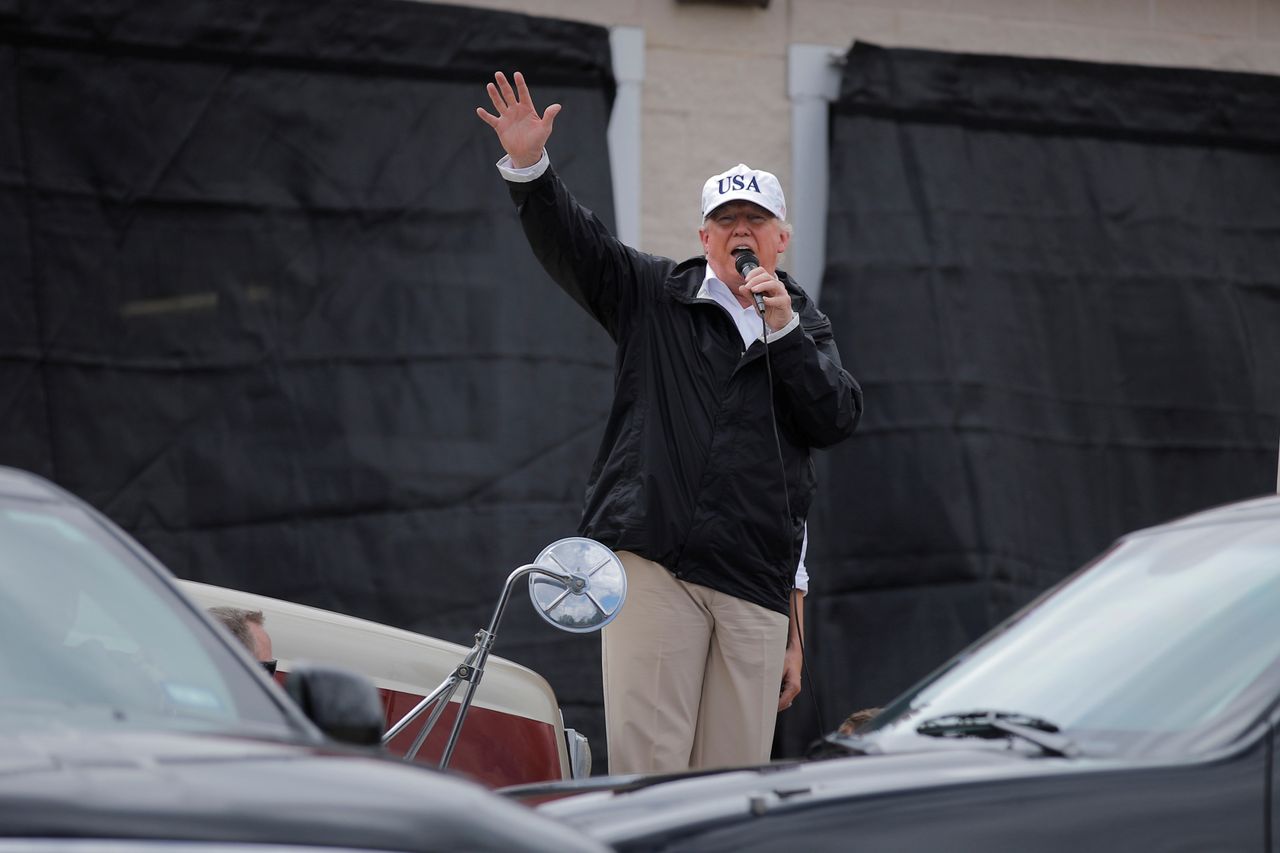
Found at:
[128, 721]
[1134, 707]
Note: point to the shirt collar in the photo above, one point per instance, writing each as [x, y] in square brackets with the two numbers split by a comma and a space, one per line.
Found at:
[746, 319]
[714, 288]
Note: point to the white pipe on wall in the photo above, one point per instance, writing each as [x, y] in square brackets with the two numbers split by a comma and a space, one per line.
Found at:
[813, 82]
[627, 44]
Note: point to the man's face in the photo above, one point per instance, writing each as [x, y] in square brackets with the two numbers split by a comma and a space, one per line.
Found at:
[261, 641]
[739, 225]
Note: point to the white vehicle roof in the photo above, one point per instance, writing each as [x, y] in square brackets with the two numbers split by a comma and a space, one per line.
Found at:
[394, 659]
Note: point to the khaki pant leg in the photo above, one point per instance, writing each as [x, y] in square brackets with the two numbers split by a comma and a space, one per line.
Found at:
[741, 684]
[652, 659]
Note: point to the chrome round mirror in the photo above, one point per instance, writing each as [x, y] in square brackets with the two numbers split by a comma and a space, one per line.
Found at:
[591, 597]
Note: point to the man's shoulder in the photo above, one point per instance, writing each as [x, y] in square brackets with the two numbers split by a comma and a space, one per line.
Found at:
[801, 302]
[695, 267]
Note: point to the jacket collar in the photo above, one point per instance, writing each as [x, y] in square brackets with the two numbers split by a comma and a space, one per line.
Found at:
[685, 280]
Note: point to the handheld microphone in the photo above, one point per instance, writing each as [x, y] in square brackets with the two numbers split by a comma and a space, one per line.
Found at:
[744, 260]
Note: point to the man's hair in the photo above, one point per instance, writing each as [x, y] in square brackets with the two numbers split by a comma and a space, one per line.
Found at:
[236, 620]
[857, 720]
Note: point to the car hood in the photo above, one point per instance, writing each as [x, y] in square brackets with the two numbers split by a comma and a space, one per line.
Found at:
[635, 809]
[75, 782]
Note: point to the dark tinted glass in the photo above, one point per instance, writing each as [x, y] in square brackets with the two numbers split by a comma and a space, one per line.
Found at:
[1170, 638]
[103, 639]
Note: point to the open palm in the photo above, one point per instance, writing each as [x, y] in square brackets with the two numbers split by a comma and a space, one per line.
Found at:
[522, 132]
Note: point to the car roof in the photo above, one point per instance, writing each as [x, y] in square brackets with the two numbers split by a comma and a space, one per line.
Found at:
[1263, 509]
[22, 485]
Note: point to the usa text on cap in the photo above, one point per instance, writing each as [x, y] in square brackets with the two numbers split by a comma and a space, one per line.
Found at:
[743, 183]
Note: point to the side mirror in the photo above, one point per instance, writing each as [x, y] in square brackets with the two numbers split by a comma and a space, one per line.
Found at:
[344, 705]
[588, 591]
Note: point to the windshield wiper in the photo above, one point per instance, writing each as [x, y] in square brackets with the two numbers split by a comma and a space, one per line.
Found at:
[994, 724]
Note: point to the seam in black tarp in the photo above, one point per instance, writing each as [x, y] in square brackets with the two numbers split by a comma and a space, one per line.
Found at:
[232, 60]
[1042, 128]
[356, 37]
[1062, 96]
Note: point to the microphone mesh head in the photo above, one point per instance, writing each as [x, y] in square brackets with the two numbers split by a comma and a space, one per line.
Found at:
[743, 259]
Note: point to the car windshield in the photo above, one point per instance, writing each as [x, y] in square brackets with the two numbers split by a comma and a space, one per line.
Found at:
[1168, 643]
[92, 634]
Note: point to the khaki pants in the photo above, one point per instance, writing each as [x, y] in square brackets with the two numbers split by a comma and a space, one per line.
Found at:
[691, 675]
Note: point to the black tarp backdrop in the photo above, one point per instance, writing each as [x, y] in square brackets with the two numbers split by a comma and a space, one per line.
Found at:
[266, 302]
[1059, 284]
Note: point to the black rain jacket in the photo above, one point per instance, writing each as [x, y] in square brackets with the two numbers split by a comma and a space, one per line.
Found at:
[688, 473]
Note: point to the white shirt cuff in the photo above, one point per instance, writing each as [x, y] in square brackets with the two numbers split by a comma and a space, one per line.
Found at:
[802, 573]
[773, 336]
[528, 173]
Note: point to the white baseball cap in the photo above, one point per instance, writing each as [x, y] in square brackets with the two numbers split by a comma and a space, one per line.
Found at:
[743, 183]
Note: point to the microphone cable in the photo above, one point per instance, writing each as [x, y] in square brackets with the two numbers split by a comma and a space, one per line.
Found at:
[742, 260]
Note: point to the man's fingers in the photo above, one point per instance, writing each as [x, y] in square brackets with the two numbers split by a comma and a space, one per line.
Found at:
[761, 281]
[522, 91]
[789, 690]
[490, 120]
[505, 88]
[499, 105]
[550, 116]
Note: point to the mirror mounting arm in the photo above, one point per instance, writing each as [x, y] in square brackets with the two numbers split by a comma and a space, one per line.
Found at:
[583, 563]
[523, 571]
[471, 670]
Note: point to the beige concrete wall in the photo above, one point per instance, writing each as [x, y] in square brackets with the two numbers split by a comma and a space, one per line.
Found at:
[715, 90]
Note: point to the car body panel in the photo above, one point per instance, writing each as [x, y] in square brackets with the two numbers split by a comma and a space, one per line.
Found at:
[213, 751]
[1174, 671]
[513, 733]
[212, 788]
[1171, 808]
[957, 799]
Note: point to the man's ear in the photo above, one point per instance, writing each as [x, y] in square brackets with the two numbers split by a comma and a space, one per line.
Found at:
[784, 240]
[704, 238]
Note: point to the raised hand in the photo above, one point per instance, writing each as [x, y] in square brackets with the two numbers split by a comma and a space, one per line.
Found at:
[522, 132]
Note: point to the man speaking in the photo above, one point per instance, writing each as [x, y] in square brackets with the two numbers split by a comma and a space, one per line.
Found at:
[703, 479]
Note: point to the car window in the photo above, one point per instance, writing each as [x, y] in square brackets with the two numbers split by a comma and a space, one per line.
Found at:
[90, 631]
[1164, 641]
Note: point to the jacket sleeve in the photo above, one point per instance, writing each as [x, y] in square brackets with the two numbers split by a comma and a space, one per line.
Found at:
[612, 281]
[817, 399]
